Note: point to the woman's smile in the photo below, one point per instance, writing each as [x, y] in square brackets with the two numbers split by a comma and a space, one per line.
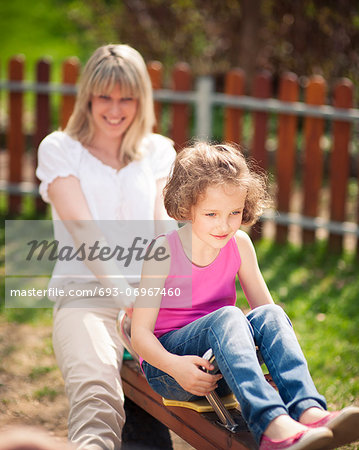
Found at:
[114, 122]
[113, 113]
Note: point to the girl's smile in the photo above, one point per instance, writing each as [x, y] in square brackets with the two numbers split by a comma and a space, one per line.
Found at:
[216, 217]
[220, 237]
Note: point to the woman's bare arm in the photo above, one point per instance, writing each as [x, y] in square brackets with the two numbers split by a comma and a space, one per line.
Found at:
[163, 223]
[68, 199]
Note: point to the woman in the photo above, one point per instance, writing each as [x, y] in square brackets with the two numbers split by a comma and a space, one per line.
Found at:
[106, 166]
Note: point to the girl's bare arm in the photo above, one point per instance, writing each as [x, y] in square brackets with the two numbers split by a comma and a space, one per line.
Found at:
[249, 274]
[184, 369]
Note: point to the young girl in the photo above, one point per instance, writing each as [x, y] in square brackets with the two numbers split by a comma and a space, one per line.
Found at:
[214, 191]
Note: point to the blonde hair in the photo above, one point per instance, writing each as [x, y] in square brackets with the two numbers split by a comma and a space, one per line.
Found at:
[110, 65]
[203, 165]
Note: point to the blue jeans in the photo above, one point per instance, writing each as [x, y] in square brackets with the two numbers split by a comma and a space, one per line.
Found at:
[232, 337]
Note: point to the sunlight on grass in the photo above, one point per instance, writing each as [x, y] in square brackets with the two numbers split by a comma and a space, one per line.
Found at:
[38, 372]
[320, 293]
[46, 393]
[36, 31]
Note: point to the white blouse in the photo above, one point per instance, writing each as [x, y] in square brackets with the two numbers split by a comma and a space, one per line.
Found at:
[117, 199]
[126, 194]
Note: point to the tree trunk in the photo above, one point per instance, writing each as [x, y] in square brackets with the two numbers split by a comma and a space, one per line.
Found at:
[250, 40]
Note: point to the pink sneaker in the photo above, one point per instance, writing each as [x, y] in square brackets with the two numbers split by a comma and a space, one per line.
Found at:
[344, 424]
[310, 439]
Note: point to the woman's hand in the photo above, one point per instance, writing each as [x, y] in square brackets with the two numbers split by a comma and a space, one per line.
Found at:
[186, 370]
[70, 203]
[129, 312]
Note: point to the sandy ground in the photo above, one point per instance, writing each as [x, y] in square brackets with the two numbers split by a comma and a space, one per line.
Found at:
[31, 386]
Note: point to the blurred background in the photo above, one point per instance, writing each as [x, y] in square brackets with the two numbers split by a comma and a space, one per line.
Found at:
[222, 56]
[306, 37]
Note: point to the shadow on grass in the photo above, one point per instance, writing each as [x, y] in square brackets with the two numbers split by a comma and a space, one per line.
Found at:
[320, 293]
[19, 315]
[318, 290]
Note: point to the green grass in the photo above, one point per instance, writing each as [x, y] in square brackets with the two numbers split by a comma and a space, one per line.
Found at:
[320, 293]
[318, 290]
[45, 393]
[38, 372]
[36, 30]
[19, 315]
[41, 29]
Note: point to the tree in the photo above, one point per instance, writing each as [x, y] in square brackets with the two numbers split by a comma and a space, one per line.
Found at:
[305, 37]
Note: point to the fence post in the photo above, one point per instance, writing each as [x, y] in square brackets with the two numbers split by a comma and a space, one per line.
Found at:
[285, 157]
[70, 73]
[42, 117]
[339, 162]
[261, 89]
[204, 90]
[155, 71]
[234, 85]
[182, 81]
[313, 155]
[15, 135]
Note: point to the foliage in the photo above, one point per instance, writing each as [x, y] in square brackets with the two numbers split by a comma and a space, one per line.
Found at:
[38, 30]
[314, 37]
[217, 35]
[211, 36]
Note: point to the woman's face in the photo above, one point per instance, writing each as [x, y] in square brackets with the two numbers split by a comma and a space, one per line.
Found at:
[112, 114]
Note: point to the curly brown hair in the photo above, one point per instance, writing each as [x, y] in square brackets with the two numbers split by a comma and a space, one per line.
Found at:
[203, 165]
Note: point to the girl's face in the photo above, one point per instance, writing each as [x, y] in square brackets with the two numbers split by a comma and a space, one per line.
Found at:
[217, 216]
[112, 114]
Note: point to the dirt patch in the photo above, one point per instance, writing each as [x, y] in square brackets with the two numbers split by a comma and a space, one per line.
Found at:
[31, 386]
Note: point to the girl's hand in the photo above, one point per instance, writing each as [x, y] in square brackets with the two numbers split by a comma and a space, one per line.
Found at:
[188, 374]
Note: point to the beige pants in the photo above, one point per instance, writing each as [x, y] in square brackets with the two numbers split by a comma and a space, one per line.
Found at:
[89, 355]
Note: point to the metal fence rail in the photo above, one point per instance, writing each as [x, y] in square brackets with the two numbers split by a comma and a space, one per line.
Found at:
[308, 223]
[204, 98]
[311, 223]
[198, 101]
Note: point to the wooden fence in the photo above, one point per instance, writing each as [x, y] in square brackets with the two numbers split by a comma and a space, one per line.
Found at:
[296, 128]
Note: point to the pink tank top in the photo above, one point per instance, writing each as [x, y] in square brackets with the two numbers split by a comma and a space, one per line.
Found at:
[196, 291]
